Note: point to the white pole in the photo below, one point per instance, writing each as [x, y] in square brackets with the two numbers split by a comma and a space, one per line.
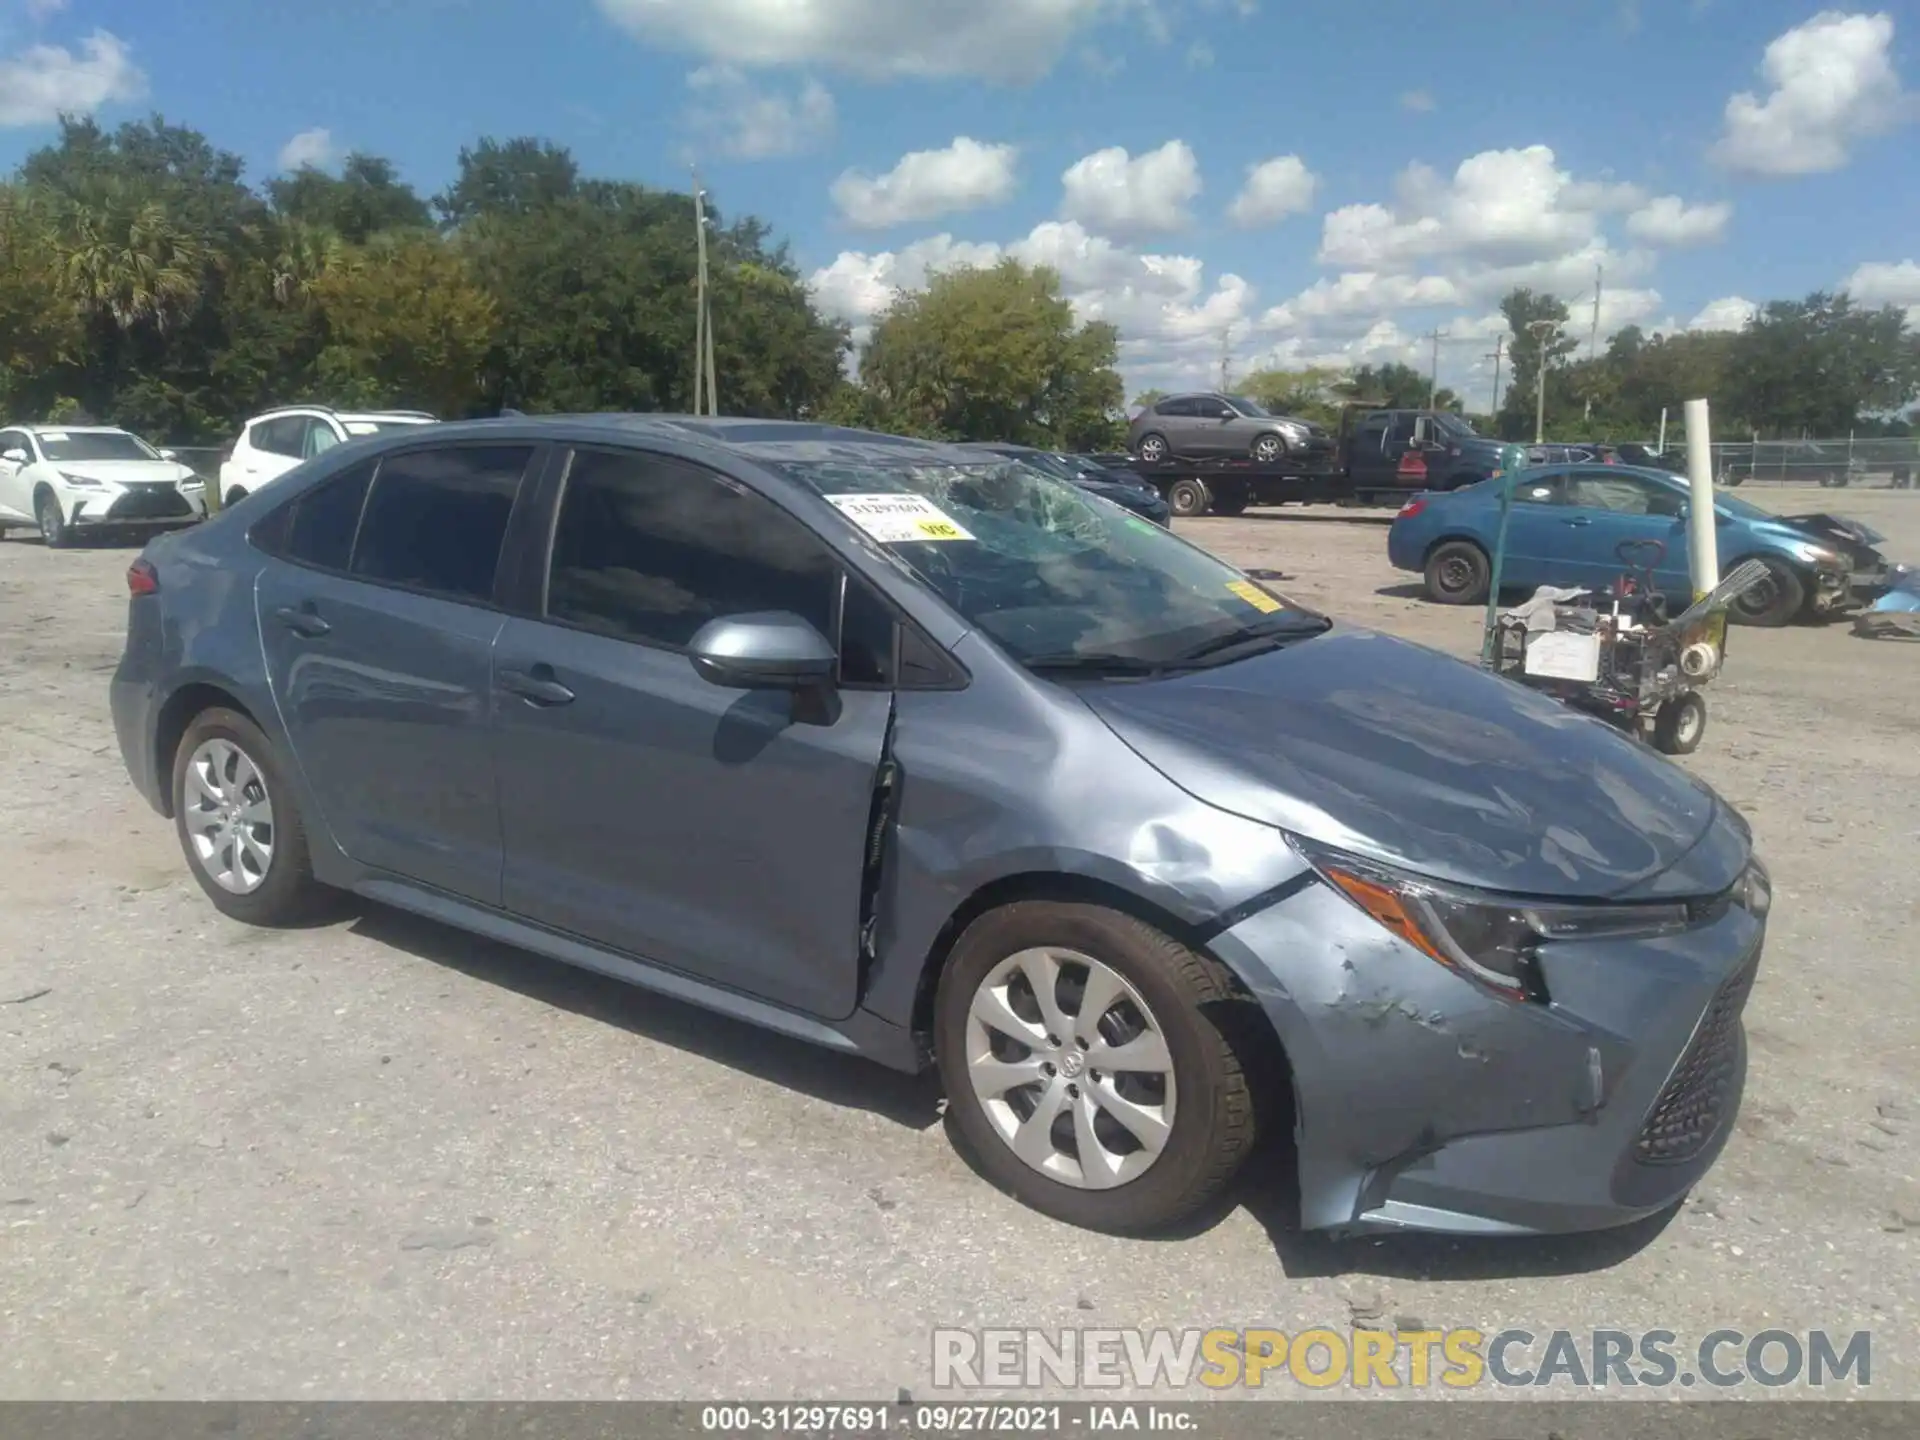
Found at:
[1703, 547]
[1663, 431]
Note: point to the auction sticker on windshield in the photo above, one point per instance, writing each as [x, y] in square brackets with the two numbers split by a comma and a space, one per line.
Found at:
[1254, 596]
[893, 519]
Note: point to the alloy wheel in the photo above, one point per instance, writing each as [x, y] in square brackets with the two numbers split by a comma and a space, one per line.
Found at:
[1266, 449]
[1071, 1067]
[228, 816]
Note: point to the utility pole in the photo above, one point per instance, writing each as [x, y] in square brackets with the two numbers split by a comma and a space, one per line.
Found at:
[1433, 370]
[1541, 330]
[1499, 353]
[1226, 358]
[1593, 335]
[705, 398]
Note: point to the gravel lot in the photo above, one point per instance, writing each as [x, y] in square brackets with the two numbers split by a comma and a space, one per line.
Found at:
[384, 1160]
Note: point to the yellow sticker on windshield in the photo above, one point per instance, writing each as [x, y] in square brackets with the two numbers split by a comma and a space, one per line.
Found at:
[895, 518]
[939, 530]
[1254, 596]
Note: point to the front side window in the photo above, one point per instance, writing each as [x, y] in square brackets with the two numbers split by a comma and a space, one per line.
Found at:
[1620, 494]
[78, 446]
[320, 439]
[1452, 427]
[436, 519]
[1253, 410]
[1057, 579]
[285, 436]
[649, 548]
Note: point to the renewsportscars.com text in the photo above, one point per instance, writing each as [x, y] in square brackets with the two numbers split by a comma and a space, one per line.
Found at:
[1458, 1359]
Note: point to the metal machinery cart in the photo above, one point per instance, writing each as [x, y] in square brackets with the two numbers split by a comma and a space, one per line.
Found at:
[1618, 654]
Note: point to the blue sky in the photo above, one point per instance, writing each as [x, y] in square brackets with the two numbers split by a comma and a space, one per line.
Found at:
[1706, 153]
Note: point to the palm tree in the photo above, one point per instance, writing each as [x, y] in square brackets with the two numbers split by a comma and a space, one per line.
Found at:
[123, 257]
[303, 255]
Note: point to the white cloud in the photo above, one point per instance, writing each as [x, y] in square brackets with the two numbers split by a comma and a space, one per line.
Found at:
[749, 119]
[1831, 85]
[966, 175]
[310, 147]
[1360, 293]
[44, 82]
[1878, 283]
[1166, 312]
[1199, 55]
[1728, 313]
[1111, 192]
[1500, 207]
[1274, 190]
[1007, 40]
[1668, 222]
[1421, 102]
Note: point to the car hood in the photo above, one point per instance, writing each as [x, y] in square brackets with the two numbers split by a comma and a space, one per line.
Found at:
[1390, 750]
[1858, 542]
[125, 472]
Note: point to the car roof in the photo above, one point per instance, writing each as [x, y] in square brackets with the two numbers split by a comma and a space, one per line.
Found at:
[72, 429]
[771, 442]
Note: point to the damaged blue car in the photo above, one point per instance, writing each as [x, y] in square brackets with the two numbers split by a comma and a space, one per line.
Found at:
[926, 757]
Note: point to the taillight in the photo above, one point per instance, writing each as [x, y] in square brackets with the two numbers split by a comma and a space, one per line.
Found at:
[142, 579]
[1410, 509]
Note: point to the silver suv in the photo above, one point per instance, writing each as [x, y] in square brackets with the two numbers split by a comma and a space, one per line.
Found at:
[1213, 426]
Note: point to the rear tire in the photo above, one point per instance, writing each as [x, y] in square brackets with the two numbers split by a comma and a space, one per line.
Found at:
[1165, 1006]
[1772, 603]
[1153, 447]
[1458, 573]
[1189, 498]
[232, 805]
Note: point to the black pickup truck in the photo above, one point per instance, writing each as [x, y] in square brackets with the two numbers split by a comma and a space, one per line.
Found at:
[1382, 456]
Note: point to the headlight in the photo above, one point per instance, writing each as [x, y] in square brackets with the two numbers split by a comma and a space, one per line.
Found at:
[1753, 892]
[81, 482]
[193, 482]
[1291, 430]
[1820, 555]
[1487, 938]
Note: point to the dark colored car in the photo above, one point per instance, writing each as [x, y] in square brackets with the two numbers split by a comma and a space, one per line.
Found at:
[1567, 524]
[1213, 426]
[923, 756]
[1128, 491]
[1798, 462]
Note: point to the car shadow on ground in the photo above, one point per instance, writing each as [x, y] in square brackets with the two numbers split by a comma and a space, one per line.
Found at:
[1266, 1188]
[911, 1101]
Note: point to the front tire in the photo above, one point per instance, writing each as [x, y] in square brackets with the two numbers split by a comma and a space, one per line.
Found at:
[238, 825]
[1772, 603]
[1267, 449]
[1458, 573]
[1153, 448]
[1141, 1113]
[1680, 723]
[53, 521]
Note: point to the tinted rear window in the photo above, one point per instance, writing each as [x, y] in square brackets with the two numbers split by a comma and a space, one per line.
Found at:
[325, 518]
[437, 518]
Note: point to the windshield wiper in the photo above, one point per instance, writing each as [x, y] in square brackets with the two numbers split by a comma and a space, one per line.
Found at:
[1249, 635]
[1097, 662]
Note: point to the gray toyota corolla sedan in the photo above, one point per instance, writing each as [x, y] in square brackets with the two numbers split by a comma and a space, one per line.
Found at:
[929, 758]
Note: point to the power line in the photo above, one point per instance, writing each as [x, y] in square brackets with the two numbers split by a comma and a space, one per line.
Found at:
[1433, 373]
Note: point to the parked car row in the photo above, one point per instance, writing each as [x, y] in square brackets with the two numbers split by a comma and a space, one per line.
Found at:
[66, 480]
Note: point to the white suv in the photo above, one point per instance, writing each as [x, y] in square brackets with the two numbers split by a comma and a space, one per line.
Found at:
[63, 479]
[273, 443]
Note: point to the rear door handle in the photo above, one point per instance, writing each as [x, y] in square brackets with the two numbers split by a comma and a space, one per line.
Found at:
[537, 686]
[302, 621]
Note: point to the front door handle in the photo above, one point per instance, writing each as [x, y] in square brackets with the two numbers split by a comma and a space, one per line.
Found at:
[1577, 520]
[302, 621]
[536, 686]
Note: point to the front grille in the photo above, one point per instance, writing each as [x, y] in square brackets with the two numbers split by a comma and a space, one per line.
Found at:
[1688, 1113]
[149, 502]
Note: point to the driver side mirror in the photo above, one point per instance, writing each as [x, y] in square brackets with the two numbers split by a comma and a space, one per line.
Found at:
[773, 650]
[14, 457]
[169, 454]
[1227, 412]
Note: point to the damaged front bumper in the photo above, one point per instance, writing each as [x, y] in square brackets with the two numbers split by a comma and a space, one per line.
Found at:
[1426, 1102]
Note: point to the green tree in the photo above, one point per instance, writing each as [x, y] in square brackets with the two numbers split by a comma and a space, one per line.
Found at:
[1310, 394]
[41, 331]
[511, 177]
[1397, 387]
[406, 324]
[1524, 308]
[365, 199]
[1814, 366]
[996, 354]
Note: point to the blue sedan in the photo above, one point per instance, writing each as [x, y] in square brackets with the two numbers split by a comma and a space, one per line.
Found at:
[1568, 523]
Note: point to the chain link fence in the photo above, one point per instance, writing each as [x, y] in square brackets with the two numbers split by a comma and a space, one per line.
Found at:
[1881, 463]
